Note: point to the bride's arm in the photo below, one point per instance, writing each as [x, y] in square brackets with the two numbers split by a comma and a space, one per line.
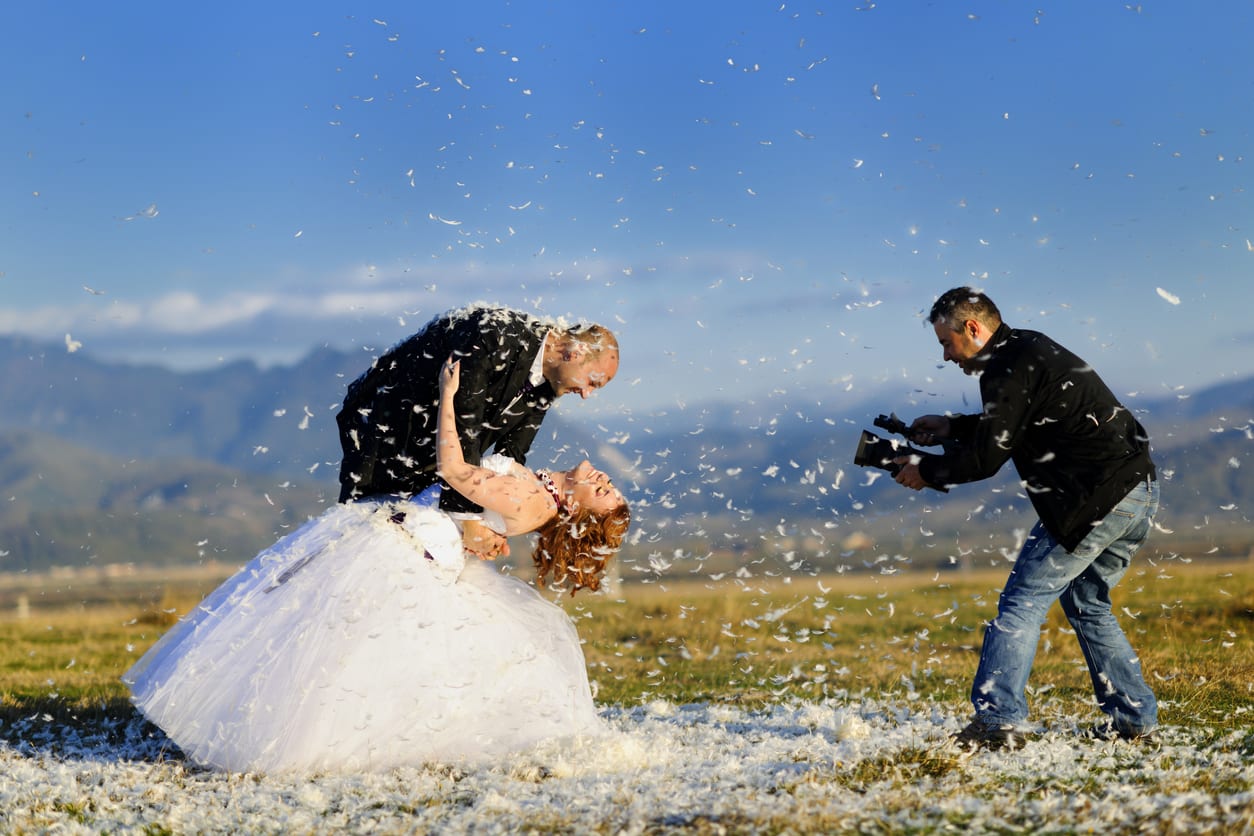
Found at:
[518, 496]
[450, 461]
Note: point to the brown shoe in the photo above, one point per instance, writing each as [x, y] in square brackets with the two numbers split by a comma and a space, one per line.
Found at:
[1107, 730]
[991, 736]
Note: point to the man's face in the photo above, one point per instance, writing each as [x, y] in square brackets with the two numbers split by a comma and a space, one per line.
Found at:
[582, 373]
[961, 346]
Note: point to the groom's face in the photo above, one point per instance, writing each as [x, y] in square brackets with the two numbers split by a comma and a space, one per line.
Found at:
[582, 373]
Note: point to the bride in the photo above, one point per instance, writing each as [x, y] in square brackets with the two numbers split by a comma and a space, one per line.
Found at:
[365, 641]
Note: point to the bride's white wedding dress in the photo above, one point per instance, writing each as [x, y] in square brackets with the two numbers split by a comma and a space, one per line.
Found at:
[360, 643]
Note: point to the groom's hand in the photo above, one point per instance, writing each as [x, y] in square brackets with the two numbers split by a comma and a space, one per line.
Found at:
[482, 541]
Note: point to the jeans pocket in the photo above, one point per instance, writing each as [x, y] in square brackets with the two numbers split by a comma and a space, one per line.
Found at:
[1132, 511]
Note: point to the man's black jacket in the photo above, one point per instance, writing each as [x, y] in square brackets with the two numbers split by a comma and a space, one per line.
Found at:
[1078, 451]
[388, 421]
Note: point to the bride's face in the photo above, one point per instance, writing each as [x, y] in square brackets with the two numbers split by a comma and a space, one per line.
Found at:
[590, 488]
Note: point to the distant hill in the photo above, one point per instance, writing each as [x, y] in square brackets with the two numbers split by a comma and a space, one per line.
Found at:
[796, 472]
[103, 462]
[277, 420]
[63, 505]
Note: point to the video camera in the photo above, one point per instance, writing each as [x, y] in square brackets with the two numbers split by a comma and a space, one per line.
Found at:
[880, 453]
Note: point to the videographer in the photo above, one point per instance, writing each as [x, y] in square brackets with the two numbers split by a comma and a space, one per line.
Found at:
[1084, 462]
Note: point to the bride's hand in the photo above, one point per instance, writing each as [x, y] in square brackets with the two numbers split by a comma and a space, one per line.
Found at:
[450, 377]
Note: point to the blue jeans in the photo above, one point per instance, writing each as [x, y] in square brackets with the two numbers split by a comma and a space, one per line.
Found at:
[1081, 581]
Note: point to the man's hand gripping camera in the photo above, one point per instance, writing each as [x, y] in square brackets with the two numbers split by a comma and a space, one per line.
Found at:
[881, 453]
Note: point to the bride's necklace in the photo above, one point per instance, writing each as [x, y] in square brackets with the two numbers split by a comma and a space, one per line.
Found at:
[546, 479]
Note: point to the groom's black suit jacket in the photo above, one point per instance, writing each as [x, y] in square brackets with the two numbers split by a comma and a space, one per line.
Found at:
[388, 421]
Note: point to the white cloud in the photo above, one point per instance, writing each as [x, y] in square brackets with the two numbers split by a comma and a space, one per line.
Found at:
[189, 313]
[720, 323]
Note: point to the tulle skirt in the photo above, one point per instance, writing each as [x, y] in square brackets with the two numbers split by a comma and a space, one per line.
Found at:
[357, 643]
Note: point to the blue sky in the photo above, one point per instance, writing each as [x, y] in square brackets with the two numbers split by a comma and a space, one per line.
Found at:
[762, 198]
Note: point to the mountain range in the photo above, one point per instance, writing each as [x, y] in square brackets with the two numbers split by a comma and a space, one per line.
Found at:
[106, 463]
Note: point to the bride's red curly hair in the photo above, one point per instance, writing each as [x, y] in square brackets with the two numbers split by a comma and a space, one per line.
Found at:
[576, 547]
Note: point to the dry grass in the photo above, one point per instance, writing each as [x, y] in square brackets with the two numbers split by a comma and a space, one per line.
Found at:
[748, 641]
[753, 642]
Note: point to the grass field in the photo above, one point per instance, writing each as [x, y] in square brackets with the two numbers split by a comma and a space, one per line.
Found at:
[757, 643]
[751, 647]
[748, 641]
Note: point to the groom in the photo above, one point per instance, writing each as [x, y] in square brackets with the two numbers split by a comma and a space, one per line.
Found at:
[513, 367]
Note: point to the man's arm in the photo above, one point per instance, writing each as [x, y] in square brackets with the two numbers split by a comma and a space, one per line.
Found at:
[989, 438]
[525, 345]
[517, 443]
